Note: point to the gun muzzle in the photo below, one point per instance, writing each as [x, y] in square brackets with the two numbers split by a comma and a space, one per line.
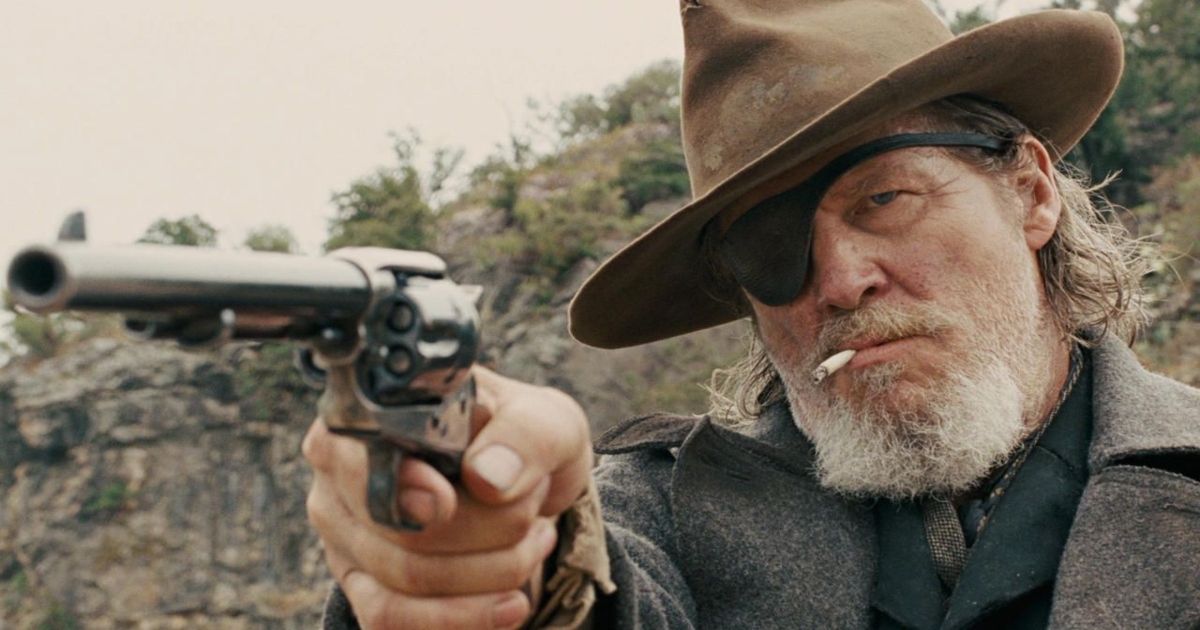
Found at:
[44, 279]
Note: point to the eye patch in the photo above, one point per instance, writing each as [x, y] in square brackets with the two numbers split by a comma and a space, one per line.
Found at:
[767, 249]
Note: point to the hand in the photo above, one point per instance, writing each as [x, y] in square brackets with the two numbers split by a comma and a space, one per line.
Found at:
[482, 541]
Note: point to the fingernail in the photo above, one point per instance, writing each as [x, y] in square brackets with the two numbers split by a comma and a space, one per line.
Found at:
[418, 505]
[499, 465]
[510, 611]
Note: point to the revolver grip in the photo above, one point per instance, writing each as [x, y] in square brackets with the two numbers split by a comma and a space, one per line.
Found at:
[438, 437]
[383, 464]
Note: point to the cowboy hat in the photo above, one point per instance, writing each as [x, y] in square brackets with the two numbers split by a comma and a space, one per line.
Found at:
[772, 89]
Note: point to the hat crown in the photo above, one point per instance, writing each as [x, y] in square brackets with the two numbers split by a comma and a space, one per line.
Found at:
[756, 71]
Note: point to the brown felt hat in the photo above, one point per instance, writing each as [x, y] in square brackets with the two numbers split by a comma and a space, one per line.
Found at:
[774, 89]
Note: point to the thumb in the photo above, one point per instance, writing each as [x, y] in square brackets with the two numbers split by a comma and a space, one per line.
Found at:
[533, 433]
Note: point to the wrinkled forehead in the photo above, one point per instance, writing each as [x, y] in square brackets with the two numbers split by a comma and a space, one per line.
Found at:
[913, 150]
[920, 120]
[906, 164]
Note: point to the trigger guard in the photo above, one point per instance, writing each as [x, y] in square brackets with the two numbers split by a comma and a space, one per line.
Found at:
[383, 464]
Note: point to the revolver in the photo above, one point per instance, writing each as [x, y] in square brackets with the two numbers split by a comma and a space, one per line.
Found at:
[390, 337]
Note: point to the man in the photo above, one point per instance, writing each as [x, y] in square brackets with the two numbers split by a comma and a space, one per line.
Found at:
[991, 455]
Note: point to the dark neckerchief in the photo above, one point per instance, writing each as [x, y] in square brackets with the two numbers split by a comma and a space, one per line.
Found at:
[1010, 572]
[974, 513]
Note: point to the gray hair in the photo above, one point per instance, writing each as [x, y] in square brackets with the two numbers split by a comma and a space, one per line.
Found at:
[1091, 268]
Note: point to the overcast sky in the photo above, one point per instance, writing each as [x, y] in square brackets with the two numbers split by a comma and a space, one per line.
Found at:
[254, 112]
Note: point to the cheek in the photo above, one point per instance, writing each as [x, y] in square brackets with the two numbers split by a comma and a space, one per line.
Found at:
[950, 258]
[923, 266]
[771, 327]
[786, 330]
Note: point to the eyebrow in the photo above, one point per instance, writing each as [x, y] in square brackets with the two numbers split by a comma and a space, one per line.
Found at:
[864, 183]
[872, 177]
[867, 181]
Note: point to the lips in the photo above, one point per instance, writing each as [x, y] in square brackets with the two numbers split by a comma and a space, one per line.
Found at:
[865, 343]
[873, 351]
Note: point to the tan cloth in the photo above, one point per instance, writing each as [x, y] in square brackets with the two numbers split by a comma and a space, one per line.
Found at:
[582, 566]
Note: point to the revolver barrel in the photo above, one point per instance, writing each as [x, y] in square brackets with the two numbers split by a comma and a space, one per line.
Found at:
[272, 295]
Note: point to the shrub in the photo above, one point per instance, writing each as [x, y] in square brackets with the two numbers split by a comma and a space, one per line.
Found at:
[271, 238]
[190, 231]
[657, 172]
[565, 227]
[392, 207]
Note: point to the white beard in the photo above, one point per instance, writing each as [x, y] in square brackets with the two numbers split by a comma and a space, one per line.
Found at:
[971, 425]
[943, 440]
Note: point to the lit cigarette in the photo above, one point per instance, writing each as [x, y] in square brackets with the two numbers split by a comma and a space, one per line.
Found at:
[831, 365]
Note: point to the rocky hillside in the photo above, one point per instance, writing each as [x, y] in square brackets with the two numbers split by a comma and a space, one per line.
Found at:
[139, 491]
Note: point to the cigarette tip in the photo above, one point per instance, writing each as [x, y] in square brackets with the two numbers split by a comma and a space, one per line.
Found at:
[831, 365]
[819, 375]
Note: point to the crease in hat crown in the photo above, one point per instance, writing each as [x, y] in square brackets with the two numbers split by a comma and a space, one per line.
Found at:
[755, 72]
[770, 86]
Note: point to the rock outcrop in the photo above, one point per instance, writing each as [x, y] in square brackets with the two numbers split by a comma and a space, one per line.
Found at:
[136, 494]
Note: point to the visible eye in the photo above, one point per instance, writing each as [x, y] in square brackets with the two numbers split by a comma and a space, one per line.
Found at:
[884, 198]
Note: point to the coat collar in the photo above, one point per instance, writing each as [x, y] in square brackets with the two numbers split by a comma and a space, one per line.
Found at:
[1137, 412]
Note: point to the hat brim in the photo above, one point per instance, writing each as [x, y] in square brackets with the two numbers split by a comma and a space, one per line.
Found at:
[1054, 70]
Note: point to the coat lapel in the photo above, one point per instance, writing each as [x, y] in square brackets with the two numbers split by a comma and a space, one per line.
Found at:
[761, 544]
[1139, 413]
[1133, 557]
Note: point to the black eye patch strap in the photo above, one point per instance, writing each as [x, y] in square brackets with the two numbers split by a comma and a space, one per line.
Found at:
[848, 160]
[767, 248]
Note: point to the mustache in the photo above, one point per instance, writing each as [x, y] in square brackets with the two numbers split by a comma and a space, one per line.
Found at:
[880, 322]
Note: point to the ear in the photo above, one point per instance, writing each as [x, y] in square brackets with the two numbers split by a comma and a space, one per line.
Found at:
[1039, 194]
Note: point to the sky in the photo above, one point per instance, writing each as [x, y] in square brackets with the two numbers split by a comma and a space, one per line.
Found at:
[253, 113]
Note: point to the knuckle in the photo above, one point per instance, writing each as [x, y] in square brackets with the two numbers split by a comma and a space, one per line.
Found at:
[512, 573]
[517, 526]
[315, 509]
[514, 568]
[408, 576]
[566, 400]
[531, 556]
[315, 447]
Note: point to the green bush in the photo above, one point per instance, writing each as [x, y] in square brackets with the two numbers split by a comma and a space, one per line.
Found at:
[387, 209]
[565, 227]
[651, 95]
[501, 174]
[657, 172]
[45, 336]
[38, 336]
[392, 207]
[271, 238]
[190, 231]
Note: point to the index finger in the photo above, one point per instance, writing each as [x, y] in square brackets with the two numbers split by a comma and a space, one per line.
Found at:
[533, 432]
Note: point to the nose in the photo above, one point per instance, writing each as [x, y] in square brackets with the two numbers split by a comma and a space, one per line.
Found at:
[844, 270]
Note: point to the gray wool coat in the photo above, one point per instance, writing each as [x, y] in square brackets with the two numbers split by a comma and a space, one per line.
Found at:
[714, 528]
